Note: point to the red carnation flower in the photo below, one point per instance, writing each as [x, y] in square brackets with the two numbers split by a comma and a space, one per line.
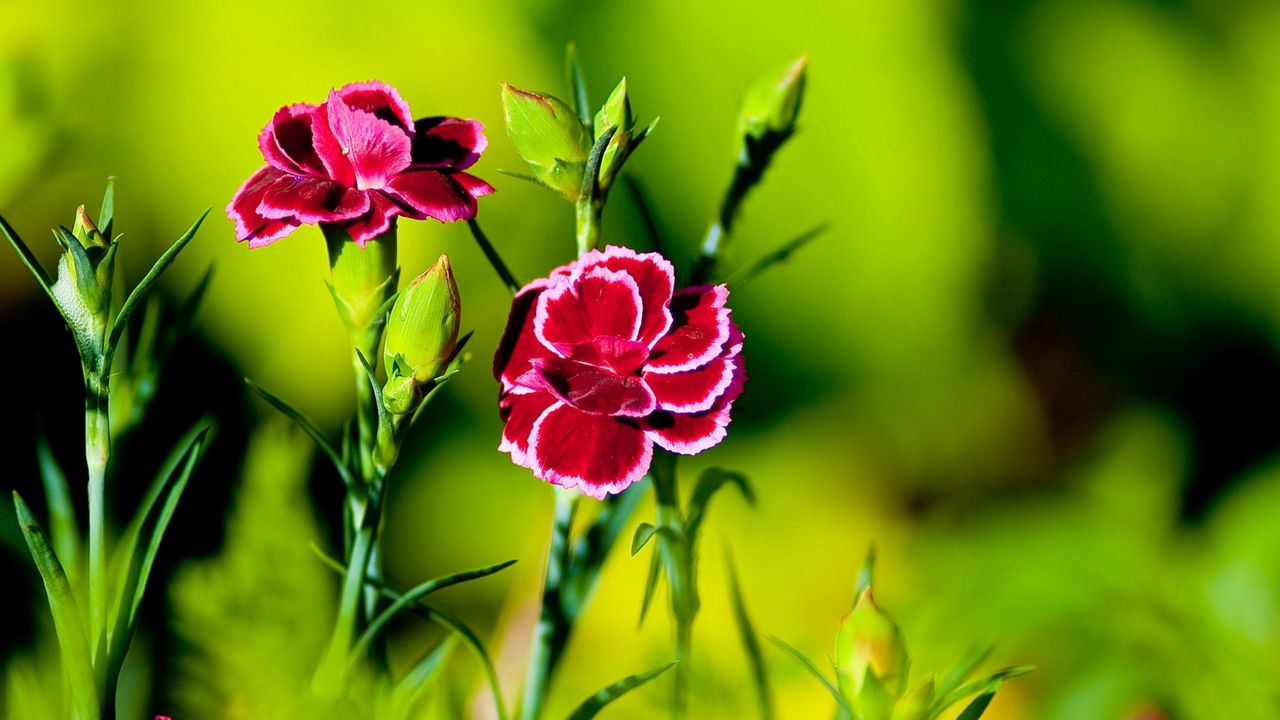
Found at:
[602, 360]
[358, 160]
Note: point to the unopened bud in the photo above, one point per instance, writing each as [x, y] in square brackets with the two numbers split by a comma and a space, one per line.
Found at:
[773, 103]
[869, 641]
[615, 113]
[86, 231]
[421, 336]
[549, 137]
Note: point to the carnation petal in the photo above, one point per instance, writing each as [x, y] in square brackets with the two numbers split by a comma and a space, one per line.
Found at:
[433, 194]
[695, 390]
[591, 389]
[595, 454]
[312, 200]
[688, 434]
[440, 142]
[380, 99]
[589, 305]
[382, 212]
[519, 344]
[243, 209]
[520, 412]
[376, 149]
[654, 276]
[287, 143]
[701, 326]
[473, 185]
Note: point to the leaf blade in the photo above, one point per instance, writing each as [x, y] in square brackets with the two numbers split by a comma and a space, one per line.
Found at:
[594, 704]
[310, 428]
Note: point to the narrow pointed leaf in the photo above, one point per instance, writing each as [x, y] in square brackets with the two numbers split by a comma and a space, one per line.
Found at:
[591, 175]
[866, 574]
[710, 482]
[650, 586]
[420, 678]
[339, 463]
[407, 600]
[79, 257]
[63, 529]
[107, 214]
[449, 622]
[372, 376]
[526, 177]
[644, 533]
[807, 664]
[648, 217]
[975, 709]
[28, 259]
[750, 643]
[139, 292]
[597, 702]
[983, 685]
[592, 548]
[962, 670]
[72, 641]
[780, 255]
[577, 85]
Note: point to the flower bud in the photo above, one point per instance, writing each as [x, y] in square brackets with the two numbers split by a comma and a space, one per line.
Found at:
[86, 231]
[773, 103]
[549, 137]
[916, 704]
[422, 334]
[870, 642]
[616, 112]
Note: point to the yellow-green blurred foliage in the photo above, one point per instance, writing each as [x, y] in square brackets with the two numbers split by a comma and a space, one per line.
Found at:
[1036, 207]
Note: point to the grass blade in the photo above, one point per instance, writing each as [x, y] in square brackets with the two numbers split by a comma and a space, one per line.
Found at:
[63, 529]
[783, 253]
[311, 430]
[420, 678]
[597, 702]
[650, 586]
[406, 600]
[986, 684]
[72, 641]
[577, 85]
[709, 483]
[750, 643]
[139, 292]
[813, 670]
[445, 620]
[962, 670]
[29, 259]
[976, 708]
[107, 214]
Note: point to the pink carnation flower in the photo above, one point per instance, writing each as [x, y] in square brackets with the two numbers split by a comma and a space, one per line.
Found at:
[358, 160]
[603, 359]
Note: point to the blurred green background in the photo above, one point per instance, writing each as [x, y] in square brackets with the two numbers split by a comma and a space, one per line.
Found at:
[1025, 361]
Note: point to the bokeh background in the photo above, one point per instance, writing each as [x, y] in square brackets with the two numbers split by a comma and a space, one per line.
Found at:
[1034, 360]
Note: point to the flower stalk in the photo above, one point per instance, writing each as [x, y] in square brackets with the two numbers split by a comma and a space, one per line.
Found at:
[554, 623]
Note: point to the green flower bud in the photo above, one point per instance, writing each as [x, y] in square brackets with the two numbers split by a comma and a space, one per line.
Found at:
[87, 232]
[773, 103]
[549, 137]
[616, 112]
[870, 642]
[917, 704]
[361, 281]
[422, 334]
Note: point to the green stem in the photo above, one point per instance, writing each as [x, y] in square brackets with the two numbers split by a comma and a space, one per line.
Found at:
[97, 450]
[746, 174]
[330, 677]
[677, 559]
[588, 217]
[494, 258]
[552, 633]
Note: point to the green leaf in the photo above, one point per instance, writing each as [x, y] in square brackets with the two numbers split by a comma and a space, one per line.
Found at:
[420, 678]
[987, 684]
[577, 84]
[139, 292]
[311, 430]
[750, 643]
[85, 277]
[780, 255]
[449, 622]
[807, 664]
[106, 216]
[131, 569]
[866, 574]
[29, 259]
[591, 175]
[597, 702]
[976, 708]
[63, 529]
[647, 215]
[644, 533]
[709, 483]
[384, 420]
[650, 586]
[962, 670]
[72, 641]
[406, 600]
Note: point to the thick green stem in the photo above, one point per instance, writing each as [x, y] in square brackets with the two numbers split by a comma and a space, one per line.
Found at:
[97, 451]
[589, 218]
[552, 633]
